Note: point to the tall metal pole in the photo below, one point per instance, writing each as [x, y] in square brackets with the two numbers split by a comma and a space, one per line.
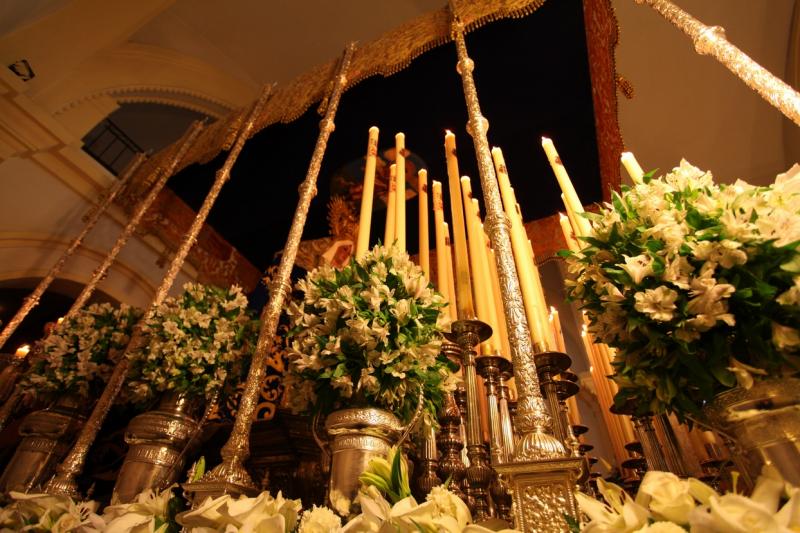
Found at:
[32, 300]
[231, 475]
[542, 477]
[532, 419]
[63, 482]
[102, 269]
[710, 40]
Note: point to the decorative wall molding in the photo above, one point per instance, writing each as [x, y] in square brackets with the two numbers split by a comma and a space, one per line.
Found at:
[146, 73]
[37, 252]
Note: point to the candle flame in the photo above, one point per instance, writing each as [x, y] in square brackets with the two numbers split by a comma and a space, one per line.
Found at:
[591, 369]
[552, 309]
[60, 320]
[546, 139]
[23, 350]
[562, 216]
[448, 132]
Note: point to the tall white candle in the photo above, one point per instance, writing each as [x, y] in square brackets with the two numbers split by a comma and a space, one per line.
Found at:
[442, 283]
[479, 287]
[566, 230]
[451, 281]
[424, 245]
[400, 199]
[570, 196]
[632, 166]
[462, 273]
[526, 267]
[365, 218]
[389, 232]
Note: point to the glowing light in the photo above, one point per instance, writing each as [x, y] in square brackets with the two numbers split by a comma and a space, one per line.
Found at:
[23, 350]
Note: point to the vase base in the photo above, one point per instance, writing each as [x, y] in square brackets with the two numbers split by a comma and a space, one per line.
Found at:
[202, 490]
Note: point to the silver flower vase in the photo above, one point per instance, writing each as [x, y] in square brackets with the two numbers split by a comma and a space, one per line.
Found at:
[764, 421]
[355, 436]
[156, 441]
[46, 438]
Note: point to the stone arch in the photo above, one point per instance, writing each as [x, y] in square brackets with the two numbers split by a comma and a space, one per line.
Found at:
[139, 73]
[31, 257]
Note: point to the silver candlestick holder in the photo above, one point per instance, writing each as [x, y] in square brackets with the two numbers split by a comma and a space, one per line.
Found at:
[468, 334]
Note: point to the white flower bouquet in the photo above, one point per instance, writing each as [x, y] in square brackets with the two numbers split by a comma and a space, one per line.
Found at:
[263, 514]
[45, 513]
[195, 341]
[666, 503]
[150, 512]
[387, 505]
[367, 335]
[79, 356]
[696, 284]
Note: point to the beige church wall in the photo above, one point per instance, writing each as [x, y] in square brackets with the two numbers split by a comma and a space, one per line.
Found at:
[687, 105]
[142, 73]
[39, 217]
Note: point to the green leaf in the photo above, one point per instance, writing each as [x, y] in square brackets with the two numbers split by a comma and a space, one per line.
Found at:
[400, 476]
[370, 479]
[199, 469]
[723, 375]
[572, 523]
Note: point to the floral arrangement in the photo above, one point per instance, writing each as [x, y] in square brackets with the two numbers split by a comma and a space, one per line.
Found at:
[150, 512]
[231, 515]
[666, 503]
[159, 512]
[442, 511]
[696, 284]
[79, 356]
[195, 341]
[367, 334]
[56, 514]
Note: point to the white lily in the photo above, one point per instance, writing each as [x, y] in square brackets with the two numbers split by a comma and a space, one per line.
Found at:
[735, 513]
[141, 515]
[621, 515]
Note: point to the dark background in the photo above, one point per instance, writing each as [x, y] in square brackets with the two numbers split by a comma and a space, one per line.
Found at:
[532, 78]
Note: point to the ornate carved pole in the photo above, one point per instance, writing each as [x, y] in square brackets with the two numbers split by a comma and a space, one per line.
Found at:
[548, 366]
[449, 440]
[489, 368]
[710, 40]
[542, 478]
[32, 300]
[64, 480]
[429, 464]
[505, 412]
[468, 334]
[532, 416]
[231, 476]
[672, 449]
